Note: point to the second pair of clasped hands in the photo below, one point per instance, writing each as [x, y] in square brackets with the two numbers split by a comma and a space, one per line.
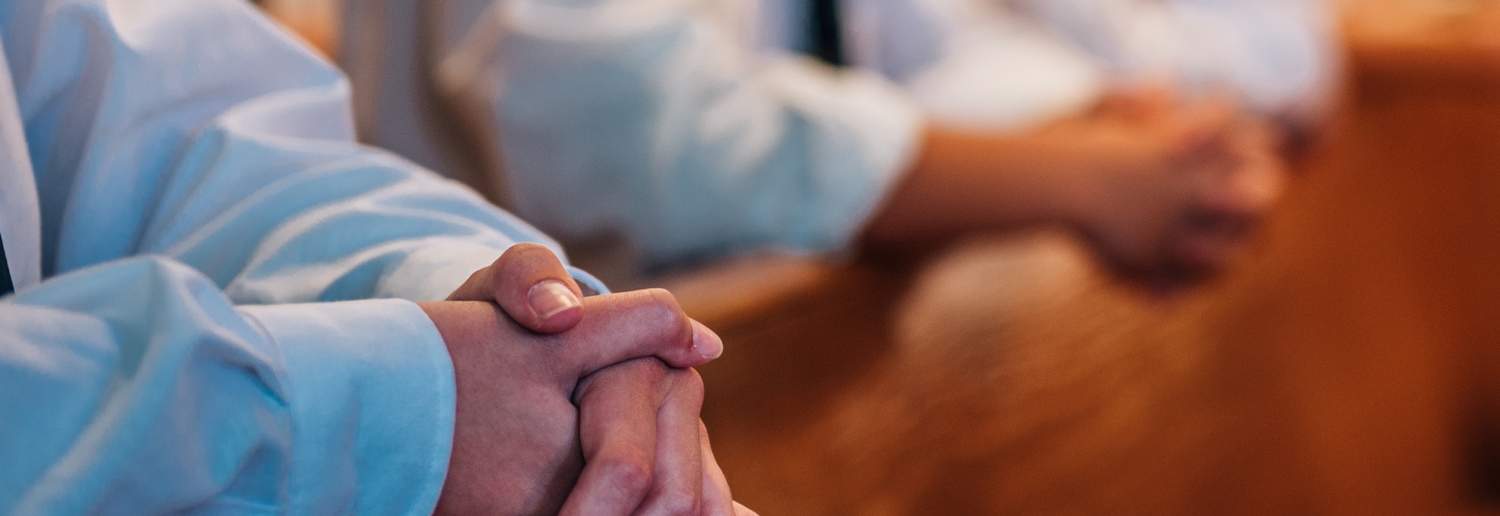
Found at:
[571, 405]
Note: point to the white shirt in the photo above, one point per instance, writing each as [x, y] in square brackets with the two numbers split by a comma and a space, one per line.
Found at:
[212, 276]
[1279, 56]
[678, 129]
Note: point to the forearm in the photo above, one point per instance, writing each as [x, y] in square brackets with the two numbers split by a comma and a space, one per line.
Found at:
[966, 180]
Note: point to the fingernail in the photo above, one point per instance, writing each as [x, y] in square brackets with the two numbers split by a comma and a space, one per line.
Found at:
[551, 297]
[706, 342]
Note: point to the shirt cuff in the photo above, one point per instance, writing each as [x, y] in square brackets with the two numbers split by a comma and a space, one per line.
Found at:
[372, 398]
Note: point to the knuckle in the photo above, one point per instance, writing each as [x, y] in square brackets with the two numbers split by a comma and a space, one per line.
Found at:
[669, 314]
[528, 247]
[513, 253]
[630, 474]
[664, 300]
[528, 254]
[654, 369]
[692, 392]
[689, 383]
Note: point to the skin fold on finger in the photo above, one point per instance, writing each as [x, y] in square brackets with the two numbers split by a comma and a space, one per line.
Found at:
[677, 486]
[717, 500]
[620, 327]
[618, 411]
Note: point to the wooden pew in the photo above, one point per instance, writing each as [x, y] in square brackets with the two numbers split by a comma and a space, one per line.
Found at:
[1349, 367]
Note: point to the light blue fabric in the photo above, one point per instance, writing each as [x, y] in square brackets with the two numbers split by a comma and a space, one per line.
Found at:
[221, 322]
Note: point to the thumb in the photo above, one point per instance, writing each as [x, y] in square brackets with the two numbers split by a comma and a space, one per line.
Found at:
[530, 283]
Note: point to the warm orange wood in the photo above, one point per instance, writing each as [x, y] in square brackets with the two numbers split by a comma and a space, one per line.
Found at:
[1351, 366]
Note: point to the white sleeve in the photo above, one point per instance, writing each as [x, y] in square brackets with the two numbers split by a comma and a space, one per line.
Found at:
[135, 387]
[195, 129]
[1121, 35]
[972, 63]
[1280, 56]
[652, 118]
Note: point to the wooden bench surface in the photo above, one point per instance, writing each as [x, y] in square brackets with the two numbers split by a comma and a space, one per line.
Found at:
[1350, 366]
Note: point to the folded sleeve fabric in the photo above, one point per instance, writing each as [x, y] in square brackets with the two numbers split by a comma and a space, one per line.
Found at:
[214, 308]
[199, 132]
[136, 387]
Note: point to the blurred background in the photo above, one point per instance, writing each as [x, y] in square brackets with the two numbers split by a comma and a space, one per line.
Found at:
[1349, 365]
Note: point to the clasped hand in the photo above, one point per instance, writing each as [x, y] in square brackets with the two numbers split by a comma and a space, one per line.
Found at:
[573, 405]
[1188, 182]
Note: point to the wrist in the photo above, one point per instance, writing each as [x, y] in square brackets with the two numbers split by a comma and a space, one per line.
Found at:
[1107, 167]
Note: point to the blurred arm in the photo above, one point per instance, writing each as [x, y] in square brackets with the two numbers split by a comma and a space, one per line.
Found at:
[653, 119]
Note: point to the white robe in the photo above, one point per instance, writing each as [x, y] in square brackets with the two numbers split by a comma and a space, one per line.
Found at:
[676, 129]
[212, 277]
[1279, 56]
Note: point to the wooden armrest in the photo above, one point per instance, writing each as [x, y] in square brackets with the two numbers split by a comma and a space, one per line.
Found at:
[741, 290]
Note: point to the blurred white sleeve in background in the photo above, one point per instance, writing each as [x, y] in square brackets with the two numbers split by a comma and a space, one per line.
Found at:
[1279, 56]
